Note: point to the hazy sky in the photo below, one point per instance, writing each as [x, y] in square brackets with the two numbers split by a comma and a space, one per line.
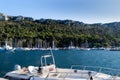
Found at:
[88, 11]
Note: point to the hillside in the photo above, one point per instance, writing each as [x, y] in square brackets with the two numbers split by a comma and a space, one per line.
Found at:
[41, 33]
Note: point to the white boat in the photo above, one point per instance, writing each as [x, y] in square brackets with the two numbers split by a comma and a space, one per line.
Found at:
[7, 47]
[51, 72]
[53, 46]
[84, 49]
[71, 46]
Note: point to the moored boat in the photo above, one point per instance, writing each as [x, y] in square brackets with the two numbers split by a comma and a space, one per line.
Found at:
[7, 47]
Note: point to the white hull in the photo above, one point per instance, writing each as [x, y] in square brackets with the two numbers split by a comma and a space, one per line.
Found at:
[63, 74]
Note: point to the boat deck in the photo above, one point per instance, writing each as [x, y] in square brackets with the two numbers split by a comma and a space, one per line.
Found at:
[3, 79]
[68, 74]
[65, 74]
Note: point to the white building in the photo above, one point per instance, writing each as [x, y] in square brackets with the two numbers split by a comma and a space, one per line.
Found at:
[19, 18]
[3, 17]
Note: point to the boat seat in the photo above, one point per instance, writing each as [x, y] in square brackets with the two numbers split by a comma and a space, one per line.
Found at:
[32, 69]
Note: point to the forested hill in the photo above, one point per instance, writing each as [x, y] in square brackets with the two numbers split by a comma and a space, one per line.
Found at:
[30, 33]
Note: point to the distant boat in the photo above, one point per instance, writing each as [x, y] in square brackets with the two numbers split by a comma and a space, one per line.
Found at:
[7, 47]
[84, 49]
[71, 46]
[115, 49]
[53, 46]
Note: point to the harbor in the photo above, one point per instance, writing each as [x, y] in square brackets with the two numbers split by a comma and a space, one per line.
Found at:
[60, 40]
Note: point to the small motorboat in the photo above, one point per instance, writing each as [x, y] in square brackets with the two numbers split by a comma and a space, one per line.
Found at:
[50, 72]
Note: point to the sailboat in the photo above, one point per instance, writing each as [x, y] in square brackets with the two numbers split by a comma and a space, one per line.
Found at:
[71, 46]
[7, 47]
[53, 46]
[85, 46]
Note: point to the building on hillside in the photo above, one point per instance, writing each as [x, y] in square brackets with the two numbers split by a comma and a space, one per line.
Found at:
[19, 18]
[3, 17]
[13, 18]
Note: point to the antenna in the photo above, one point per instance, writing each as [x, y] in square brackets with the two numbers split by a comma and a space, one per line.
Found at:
[52, 56]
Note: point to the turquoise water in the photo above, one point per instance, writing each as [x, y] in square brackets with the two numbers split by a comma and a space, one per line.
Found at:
[64, 58]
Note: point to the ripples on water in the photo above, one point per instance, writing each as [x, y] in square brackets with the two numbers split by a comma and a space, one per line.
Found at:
[64, 58]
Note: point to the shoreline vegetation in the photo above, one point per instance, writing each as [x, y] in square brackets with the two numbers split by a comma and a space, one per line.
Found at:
[41, 33]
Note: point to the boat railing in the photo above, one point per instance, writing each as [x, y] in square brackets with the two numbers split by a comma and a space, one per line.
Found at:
[87, 72]
[109, 71]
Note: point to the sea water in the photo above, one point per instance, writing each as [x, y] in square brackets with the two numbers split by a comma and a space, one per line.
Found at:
[63, 59]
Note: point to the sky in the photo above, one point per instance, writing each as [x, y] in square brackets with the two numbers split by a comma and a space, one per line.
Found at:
[87, 11]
